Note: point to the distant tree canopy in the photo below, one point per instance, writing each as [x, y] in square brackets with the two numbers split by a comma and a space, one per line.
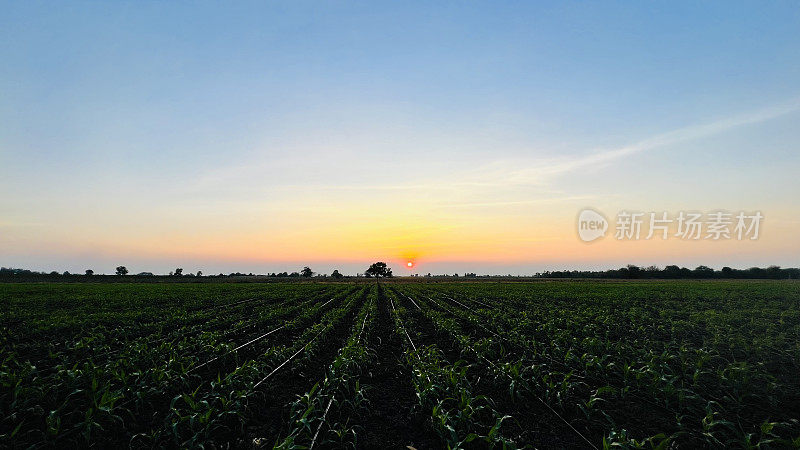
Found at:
[89, 272]
[676, 272]
[178, 272]
[122, 270]
[336, 274]
[307, 272]
[378, 270]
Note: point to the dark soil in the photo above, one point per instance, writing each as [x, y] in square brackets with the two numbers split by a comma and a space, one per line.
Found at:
[393, 423]
[272, 414]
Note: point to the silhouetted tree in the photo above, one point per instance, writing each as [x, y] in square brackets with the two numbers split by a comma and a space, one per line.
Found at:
[307, 272]
[89, 272]
[703, 272]
[336, 274]
[773, 272]
[122, 270]
[672, 271]
[178, 272]
[378, 270]
[199, 273]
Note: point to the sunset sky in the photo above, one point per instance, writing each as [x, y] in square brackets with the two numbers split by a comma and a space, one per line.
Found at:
[463, 136]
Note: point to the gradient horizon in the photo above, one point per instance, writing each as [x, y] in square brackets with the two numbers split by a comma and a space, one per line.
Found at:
[465, 137]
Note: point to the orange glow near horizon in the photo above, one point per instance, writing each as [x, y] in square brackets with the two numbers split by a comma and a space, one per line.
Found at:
[399, 234]
[554, 241]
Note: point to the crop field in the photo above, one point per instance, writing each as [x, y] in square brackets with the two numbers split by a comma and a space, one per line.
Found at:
[546, 364]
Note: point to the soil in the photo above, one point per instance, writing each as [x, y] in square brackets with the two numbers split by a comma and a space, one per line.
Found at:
[394, 422]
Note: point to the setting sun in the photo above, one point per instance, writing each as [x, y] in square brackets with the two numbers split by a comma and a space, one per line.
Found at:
[410, 264]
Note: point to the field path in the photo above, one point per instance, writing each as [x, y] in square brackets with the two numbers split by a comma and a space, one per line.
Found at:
[392, 422]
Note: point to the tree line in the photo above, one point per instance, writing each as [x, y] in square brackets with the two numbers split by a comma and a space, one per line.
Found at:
[376, 270]
[675, 272]
[381, 270]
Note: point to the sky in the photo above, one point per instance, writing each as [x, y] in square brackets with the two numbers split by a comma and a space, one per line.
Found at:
[459, 136]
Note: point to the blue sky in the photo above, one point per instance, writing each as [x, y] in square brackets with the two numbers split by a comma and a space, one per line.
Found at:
[233, 137]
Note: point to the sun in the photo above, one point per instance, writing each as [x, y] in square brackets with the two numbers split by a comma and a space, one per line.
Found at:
[410, 264]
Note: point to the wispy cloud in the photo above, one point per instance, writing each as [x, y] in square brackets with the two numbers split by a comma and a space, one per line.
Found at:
[519, 202]
[538, 172]
[313, 176]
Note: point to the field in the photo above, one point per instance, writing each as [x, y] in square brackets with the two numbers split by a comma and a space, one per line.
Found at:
[547, 364]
